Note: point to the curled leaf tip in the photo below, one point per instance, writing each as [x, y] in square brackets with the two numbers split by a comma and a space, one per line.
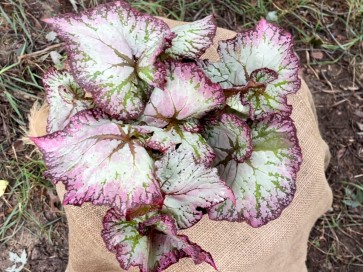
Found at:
[129, 43]
[261, 68]
[264, 185]
[149, 242]
[193, 39]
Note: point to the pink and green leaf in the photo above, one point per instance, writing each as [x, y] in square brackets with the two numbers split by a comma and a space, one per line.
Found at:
[165, 140]
[65, 98]
[230, 138]
[263, 55]
[100, 161]
[188, 93]
[189, 188]
[265, 183]
[192, 125]
[193, 39]
[113, 52]
[150, 242]
[234, 102]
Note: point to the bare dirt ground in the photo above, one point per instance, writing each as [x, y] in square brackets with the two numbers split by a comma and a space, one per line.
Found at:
[31, 216]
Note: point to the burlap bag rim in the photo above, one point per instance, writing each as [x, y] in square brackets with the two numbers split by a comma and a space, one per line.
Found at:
[280, 245]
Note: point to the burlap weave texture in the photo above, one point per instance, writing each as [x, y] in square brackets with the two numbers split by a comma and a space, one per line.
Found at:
[281, 245]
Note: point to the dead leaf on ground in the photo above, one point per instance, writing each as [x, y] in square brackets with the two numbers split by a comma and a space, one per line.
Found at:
[53, 199]
[359, 113]
[3, 185]
[319, 55]
[341, 153]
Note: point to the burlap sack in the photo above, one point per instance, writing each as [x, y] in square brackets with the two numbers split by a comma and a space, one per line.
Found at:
[281, 245]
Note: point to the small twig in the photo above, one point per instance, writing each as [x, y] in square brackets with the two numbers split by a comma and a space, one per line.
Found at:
[327, 81]
[196, 16]
[36, 64]
[340, 102]
[358, 97]
[14, 151]
[322, 251]
[330, 91]
[40, 52]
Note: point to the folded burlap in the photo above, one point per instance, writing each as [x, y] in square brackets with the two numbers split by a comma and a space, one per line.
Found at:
[281, 245]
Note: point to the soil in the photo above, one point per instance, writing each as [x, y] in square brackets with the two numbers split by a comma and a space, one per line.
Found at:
[338, 100]
[338, 93]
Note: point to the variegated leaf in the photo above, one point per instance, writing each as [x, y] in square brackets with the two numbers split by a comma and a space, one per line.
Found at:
[193, 39]
[235, 103]
[65, 98]
[165, 140]
[265, 183]
[149, 242]
[188, 94]
[113, 52]
[189, 188]
[192, 125]
[261, 65]
[100, 161]
[230, 138]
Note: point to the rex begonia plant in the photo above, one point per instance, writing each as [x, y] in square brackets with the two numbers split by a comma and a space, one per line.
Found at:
[141, 123]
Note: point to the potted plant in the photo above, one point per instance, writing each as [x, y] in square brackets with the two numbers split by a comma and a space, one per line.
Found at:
[141, 123]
